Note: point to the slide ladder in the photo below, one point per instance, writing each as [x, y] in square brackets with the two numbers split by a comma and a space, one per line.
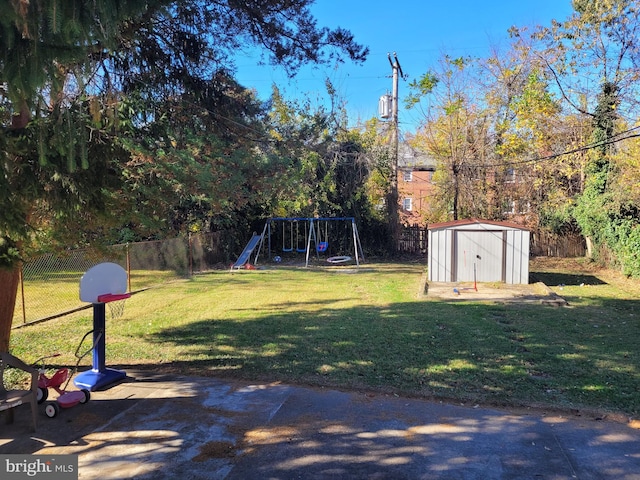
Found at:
[246, 253]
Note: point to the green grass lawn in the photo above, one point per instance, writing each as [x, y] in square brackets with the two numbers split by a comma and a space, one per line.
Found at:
[371, 329]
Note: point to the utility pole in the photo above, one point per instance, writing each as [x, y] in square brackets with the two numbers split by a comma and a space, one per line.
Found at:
[392, 197]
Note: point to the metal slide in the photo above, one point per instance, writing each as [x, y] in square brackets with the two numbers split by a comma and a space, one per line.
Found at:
[246, 253]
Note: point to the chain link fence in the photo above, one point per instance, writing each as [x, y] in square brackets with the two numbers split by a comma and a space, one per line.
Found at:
[49, 284]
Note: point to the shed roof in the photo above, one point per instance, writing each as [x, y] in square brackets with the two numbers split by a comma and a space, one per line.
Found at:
[474, 221]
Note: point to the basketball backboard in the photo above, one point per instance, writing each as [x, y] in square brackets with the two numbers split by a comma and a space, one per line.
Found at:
[102, 279]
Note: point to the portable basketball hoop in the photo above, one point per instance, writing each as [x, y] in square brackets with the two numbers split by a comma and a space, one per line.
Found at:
[100, 285]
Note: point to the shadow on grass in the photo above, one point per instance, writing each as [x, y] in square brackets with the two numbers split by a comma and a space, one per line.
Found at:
[583, 357]
[553, 278]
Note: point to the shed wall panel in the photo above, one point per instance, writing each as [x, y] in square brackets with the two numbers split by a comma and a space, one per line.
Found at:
[440, 251]
[503, 252]
[479, 256]
[517, 261]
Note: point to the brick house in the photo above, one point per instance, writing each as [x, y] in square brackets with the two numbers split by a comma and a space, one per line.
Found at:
[512, 186]
[415, 185]
[416, 189]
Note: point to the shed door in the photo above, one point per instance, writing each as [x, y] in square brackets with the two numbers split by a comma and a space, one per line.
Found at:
[485, 250]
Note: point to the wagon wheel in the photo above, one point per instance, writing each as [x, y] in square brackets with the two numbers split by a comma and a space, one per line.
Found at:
[86, 396]
[43, 394]
[51, 409]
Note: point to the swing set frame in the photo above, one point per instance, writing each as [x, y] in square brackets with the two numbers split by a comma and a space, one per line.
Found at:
[313, 238]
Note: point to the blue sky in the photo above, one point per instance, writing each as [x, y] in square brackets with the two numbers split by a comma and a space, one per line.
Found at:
[419, 31]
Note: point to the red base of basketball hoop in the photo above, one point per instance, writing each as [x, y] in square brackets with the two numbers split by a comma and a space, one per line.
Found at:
[104, 283]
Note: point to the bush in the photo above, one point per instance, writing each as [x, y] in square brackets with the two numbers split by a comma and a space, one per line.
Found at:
[630, 251]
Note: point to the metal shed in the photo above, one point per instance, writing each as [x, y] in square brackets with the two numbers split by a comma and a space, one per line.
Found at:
[478, 250]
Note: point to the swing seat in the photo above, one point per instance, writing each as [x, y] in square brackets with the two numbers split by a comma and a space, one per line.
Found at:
[322, 246]
[339, 259]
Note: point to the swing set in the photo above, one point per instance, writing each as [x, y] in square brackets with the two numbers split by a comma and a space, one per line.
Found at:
[307, 235]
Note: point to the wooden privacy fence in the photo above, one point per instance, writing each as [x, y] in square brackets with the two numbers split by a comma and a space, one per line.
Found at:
[413, 239]
[552, 245]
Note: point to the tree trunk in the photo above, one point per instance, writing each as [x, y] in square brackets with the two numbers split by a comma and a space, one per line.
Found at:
[9, 279]
[589, 243]
[456, 193]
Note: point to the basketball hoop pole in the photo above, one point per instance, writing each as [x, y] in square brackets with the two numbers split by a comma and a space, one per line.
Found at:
[100, 376]
[94, 285]
[99, 344]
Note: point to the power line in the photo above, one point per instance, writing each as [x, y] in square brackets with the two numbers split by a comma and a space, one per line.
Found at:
[609, 141]
[262, 138]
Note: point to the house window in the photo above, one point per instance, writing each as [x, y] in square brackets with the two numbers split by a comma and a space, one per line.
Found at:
[407, 175]
[510, 175]
[407, 204]
[524, 207]
[509, 207]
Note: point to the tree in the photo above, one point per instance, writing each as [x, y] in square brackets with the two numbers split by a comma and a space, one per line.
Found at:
[328, 166]
[597, 48]
[43, 137]
[624, 191]
[196, 166]
[455, 132]
[525, 116]
[83, 82]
